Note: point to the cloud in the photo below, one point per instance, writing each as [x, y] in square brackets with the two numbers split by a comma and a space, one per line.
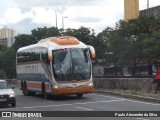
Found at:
[23, 15]
[42, 16]
[152, 3]
[91, 13]
[87, 19]
[56, 3]
[13, 16]
[26, 26]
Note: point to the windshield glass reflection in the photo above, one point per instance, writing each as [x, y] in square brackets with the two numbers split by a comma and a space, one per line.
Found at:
[71, 64]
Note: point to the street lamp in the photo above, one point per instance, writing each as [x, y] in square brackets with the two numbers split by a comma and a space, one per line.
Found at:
[63, 21]
[56, 17]
[147, 4]
[147, 7]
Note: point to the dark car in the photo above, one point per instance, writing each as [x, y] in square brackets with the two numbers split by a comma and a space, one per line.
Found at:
[7, 95]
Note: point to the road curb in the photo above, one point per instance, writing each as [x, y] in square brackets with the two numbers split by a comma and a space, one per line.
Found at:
[136, 97]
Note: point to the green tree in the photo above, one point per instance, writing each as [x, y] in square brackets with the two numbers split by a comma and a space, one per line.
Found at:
[41, 33]
[151, 47]
[24, 40]
[2, 74]
[7, 62]
[84, 34]
[129, 41]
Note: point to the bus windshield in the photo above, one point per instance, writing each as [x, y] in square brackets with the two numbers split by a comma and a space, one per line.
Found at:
[71, 64]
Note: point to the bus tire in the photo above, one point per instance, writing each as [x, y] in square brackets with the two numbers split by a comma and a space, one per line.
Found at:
[21, 87]
[44, 92]
[80, 95]
[25, 89]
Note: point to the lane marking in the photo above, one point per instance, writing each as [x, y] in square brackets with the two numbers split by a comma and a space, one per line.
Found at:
[106, 96]
[99, 102]
[142, 102]
[149, 103]
[60, 105]
[142, 119]
[48, 106]
[84, 108]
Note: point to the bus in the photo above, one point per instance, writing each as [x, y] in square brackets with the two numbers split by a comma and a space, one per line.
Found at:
[55, 66]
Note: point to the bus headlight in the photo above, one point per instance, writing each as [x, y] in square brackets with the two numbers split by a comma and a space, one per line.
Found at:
[90, 84]
[57, 86]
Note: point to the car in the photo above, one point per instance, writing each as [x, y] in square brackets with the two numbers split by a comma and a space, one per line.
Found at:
[7, 95]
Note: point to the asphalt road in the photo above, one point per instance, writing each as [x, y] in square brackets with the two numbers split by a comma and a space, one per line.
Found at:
[89, 102]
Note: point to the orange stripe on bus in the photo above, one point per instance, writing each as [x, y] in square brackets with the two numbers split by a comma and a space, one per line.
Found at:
[64, 40]
[34, 85]
[37, 85]
[72, 91]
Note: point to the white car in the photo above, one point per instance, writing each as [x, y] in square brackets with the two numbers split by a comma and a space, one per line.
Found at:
[7, 95]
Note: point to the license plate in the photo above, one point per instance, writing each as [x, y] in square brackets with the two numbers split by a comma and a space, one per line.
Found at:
[2, 100]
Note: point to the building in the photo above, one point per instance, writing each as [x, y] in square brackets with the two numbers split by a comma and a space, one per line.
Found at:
[154, 11]
[7, 41]
[7, 36]
[131, 9]
[6, 33]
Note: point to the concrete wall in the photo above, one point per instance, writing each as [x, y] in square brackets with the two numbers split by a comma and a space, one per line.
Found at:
[140, 84]
[154, 11]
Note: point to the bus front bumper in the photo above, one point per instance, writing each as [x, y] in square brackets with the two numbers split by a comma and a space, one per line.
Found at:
[72, 91]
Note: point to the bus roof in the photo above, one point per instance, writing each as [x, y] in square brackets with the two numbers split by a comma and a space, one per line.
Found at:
[65, 40]
[56, 42]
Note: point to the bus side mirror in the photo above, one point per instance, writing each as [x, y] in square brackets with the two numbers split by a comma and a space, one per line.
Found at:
[92, 51]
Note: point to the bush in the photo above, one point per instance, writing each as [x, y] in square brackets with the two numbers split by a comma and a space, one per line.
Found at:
[3, 74]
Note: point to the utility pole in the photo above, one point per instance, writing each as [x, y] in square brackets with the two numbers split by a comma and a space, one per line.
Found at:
[63, 21]
[147, 7]
[63, 24]
[56, 17]
[147, 4]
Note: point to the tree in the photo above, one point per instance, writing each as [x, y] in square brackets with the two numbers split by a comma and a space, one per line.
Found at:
[24, 40]
[41, 33]
[3, 74]
[8, 61]
[151, 47]
[84, 34]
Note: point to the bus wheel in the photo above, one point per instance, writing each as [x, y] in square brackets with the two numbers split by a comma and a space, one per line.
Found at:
[79, 95]
[45, 95]
[25, 91]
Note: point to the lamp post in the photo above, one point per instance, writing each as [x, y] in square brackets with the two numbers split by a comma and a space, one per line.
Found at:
[63, 21]
[56, 17]
[147, 7]
[147, 4]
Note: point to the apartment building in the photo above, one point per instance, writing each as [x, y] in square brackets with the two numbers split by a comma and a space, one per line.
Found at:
[7, 36]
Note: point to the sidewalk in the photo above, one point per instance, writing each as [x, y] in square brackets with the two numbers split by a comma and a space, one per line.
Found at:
[137, 95]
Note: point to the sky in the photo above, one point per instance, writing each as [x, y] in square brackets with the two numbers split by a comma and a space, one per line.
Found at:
[26, 15]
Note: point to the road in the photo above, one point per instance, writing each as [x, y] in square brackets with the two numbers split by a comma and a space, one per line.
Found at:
[90, 102]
